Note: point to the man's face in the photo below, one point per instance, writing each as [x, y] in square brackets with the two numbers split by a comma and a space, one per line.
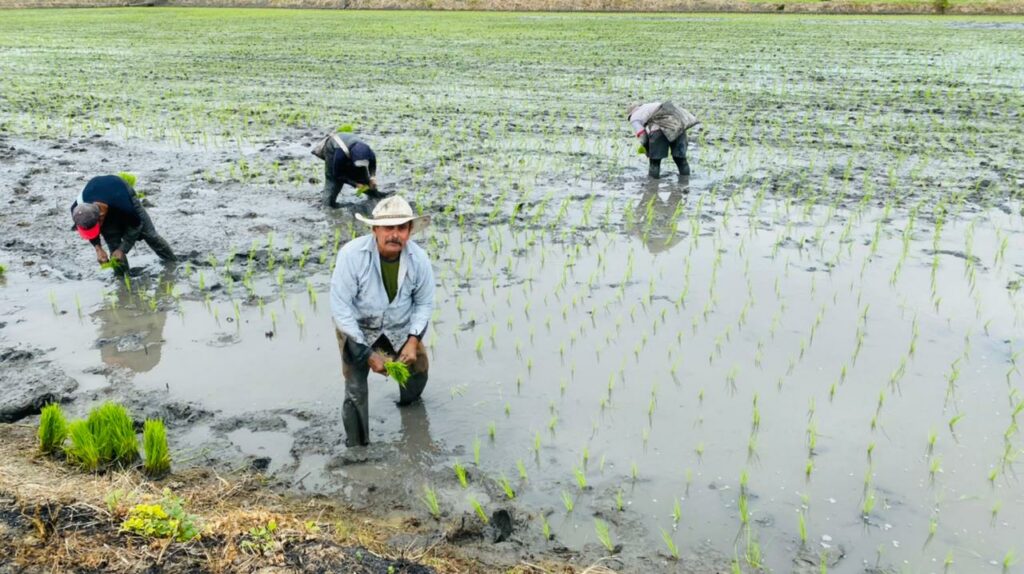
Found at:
[391, 238]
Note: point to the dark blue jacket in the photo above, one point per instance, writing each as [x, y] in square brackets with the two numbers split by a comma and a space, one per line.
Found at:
[345, 168]
[117, 195]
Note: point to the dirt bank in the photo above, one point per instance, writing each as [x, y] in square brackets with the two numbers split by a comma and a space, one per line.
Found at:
[56, 519]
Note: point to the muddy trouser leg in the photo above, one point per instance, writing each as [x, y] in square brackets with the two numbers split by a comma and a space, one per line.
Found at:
[157, 243]
[417, 379]
[679, 154]
[332, 186]
[657, 150]
[355, 411]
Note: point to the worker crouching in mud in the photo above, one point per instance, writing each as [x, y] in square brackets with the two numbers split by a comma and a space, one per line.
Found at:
[662, 126]
[347, 160]
[109, 206]
[382, 297]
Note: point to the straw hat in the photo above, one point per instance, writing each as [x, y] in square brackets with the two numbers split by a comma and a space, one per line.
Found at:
[395, 211]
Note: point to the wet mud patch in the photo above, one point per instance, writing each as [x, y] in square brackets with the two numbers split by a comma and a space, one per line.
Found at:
[30, 381]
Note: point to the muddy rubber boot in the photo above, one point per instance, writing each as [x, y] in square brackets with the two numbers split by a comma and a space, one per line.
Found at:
[654, 170]
[330, 193]
[354, 427]
[683, 165]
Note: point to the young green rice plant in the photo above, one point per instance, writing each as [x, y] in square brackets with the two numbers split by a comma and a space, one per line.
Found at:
[581, 478]
[492, 430]
[82, 450]
[673, 550]
[157, 461]
[545, 528]
[677, 512]
[522, 469]
[478, 509]
[476, 451]
[868, 505]
[398, 371]
[618, 501]
[803, 529]
[114, 433]
[506, 487]
[460, 473]
[53, 429]
[430, 500]
[568, 501]
[601, 529]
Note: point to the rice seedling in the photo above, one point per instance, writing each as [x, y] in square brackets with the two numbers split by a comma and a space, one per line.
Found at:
[803, 529]
[53, 429]
[478, 509]
[522, 469]
[398, 371]
[581, 478]
[601, 529]
[476, 451]
[545, 527]
[114, 433]
[157, 459]
[83, 449]
[506, 487]
[430, 500]
[568, 501]
[460, 473]
[673, 550]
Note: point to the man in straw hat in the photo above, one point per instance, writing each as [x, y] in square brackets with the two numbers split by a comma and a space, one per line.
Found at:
[662, 126]
[382, 297]
[108, 206]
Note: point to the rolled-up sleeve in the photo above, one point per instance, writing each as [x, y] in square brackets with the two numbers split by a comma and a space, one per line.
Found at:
[422, 299]
[343, 292]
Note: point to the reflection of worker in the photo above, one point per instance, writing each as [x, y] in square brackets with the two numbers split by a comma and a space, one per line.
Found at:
[347, 160]
[130, 333]
[382, 296]
[662, 126]
[108, 206]
[416, 444]
[657, 219]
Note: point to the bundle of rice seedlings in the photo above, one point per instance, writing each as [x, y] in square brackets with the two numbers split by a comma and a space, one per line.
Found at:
[114, 433]
[157, 461]
[128, 178]
[53, 428]
[83, 450]
[398, 371]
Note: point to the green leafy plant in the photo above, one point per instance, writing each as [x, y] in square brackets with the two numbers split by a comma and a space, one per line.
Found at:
[166, 519]
[82, 450]
[260, 539]
[506, 487]
[157, 461]
[398, 371]
[673, 550]
[53, 428]
[114, 433]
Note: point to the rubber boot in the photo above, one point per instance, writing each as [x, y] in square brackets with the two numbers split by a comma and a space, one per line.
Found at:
[654, 170]
[353, 422]
[683, 165]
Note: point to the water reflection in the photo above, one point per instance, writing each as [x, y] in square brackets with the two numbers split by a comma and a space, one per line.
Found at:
[657, 214]
[131, 324]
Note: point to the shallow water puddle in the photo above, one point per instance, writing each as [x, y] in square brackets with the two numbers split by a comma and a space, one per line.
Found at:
[724, 370]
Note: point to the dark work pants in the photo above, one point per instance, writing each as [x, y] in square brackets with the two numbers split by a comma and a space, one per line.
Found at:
[332, 185]
[113, 234]
[658, 147]
[355, 413]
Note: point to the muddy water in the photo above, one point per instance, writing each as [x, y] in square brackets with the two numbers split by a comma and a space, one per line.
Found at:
[668, 346]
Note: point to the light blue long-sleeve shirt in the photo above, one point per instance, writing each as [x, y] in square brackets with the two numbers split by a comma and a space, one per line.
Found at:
[359, 301]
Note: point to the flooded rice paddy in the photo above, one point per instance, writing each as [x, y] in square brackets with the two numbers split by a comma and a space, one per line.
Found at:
[808, 352]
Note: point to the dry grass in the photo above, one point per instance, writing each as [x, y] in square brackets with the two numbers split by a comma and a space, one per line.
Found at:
[55, 518]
